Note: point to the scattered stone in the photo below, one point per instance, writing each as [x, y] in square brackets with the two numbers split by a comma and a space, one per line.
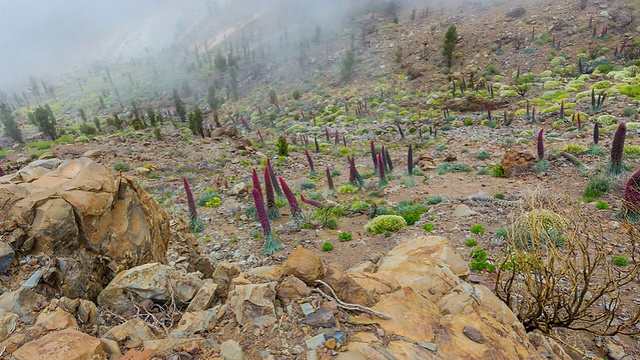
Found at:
[462, 211]
[315, 341]
[8, 323]
[6, 256]
[305, 265]
[307, 309]
[194, 322]
[67, 344]
[238, 189]
[111, 348]
[473, 334]
[57, 320]
[222, 276]
[231, 350]
[339, 337]
[134, 354]
[292, 288]
[347, 289]
[264, 321]
[163, 348]
[251, 301]
[204, 298]
[321, 318]
[615, 351]
[134, 329]
[22, 301]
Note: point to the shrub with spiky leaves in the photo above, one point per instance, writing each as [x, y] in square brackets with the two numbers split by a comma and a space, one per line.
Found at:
[195, 224]
[272, 208]
[383, 178]
[354, 176]
[296, 213]
[311, 167]
[271, 245]
[617, 149]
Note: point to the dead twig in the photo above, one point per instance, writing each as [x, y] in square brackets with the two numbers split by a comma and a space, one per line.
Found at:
[347, 306]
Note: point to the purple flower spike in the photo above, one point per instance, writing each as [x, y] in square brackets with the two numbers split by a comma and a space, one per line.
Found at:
[272, 209]
[195, 224]
[617, 149]
[540, 145]
[311, 202]
[296, 213]
[256, 181]
[271, 244]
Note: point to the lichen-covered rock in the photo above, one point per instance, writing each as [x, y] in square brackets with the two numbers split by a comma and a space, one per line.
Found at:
[157, 282]
[91, 220]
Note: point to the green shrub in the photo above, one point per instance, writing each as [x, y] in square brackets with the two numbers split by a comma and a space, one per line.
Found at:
[410, 210]
[602, 205]
[452, 167]
[477, 229]
[596, 186]
[327, 246]
[483, 155]
[282, 146]
[121, 166]
[384, 223]
[428, 227]
[620, 260]
[499, 196]
[471, 242]
[479, 261]
[433, 199]
[347, 189]
[538, 227]
[345, 236]
[498, 171]
[308, 185]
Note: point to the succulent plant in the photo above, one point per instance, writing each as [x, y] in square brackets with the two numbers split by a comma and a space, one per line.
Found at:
[272, 208]
[195, 224]
[296, 213]
[617, 149]
[311, 167]
[271, 245]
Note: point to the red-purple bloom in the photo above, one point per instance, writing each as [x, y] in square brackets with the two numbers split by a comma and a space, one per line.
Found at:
[296, 213]
[383, 178]
[329, 179]
[540, 145]
[271, 245]
[195, 224]
[617, 149]
[256, 181]
[313, 203]
[272, 208]
[274, 180]
[631, 197]
[373, 157]
[311, 167]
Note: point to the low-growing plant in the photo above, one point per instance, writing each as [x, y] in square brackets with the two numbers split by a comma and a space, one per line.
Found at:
[471, 242]
[479, 260]
[597, 185]
[428, 227]
[121, 166]
[620, 260]
[327, 246]
[345, 236]
[452, 167]
[384, 223]
[477, 229]
[602, 205]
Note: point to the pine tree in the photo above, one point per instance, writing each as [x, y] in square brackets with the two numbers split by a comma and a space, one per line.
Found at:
[45, 120]
[180, 108]
[11, 128]
[83, 115]
[449, 44]
[195, 122]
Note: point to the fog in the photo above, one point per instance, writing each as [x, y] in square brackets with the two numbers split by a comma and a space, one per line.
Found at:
[42, 36]
[45, 39]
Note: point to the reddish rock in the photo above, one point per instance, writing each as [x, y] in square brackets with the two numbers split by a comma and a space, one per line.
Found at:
[516, 163]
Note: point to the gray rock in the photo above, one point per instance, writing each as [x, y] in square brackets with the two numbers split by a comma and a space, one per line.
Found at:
[473, 334]
[615, 351]
[231, 350]
[8, 322]
[321, 318]
[315, 341]
[204, 298]
[251, 301]
[6, 256]
[22, 301]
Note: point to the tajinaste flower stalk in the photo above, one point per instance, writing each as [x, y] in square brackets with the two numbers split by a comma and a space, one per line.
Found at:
[315, 140]
[409, 182]
[579, 123]
[354, 176]
[540, 145]
[195, 224]
[344, 141]
[311, 202]
[383, 179]
[384, 159]
[274, 180]
[400, 129]
[311, 167]
[388, 157]
[373, 157]
[256, 181]
[631, 197]
[271, 245]
[336, 138]
[596, 132]
[617, 149]
[272, 208]
[296, 213]
[330, 180]
[326, 133]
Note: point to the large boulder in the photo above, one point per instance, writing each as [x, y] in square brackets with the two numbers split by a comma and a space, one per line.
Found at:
[435, 314]
[156, 282]
[67, 344]
[93, 222]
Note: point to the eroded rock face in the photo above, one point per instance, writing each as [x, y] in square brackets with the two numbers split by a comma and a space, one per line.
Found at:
[93, 222]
